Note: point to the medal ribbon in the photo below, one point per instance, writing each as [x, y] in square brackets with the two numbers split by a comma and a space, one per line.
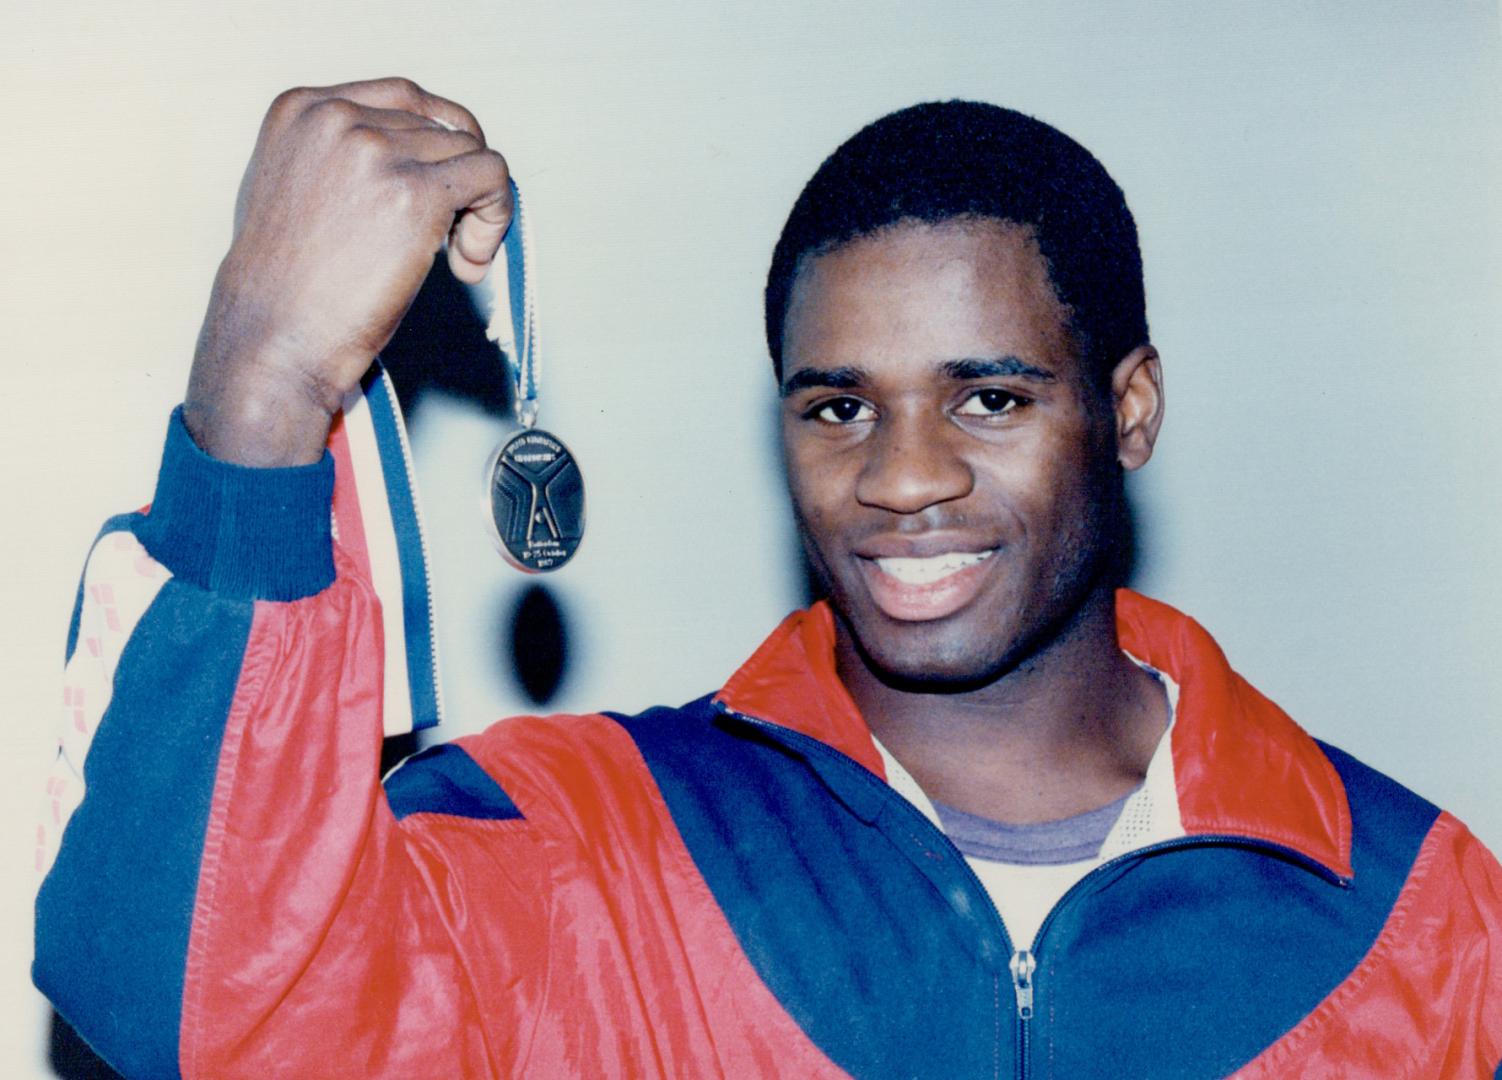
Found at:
[513, 324]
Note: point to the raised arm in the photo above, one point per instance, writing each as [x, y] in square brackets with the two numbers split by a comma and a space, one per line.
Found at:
[234, 893]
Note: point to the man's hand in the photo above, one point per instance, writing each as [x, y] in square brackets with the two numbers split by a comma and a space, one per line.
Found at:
[350, 191]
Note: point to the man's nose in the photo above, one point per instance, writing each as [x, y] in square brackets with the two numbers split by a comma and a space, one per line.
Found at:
[913, 463]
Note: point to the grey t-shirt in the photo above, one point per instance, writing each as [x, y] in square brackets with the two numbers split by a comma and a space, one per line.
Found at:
[1047, 843]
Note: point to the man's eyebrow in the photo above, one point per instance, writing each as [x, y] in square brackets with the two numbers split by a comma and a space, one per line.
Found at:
[989, 367]
[852, 378]
[840, 378]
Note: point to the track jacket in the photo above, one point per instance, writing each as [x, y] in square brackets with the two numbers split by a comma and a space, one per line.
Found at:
[727, 889]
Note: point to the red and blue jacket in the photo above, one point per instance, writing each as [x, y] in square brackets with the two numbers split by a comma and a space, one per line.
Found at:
[726, 889]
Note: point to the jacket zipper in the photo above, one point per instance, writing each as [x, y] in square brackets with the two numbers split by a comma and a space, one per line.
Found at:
[1024, 964]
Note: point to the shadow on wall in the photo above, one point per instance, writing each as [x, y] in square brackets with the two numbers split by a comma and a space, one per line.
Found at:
[440, 345]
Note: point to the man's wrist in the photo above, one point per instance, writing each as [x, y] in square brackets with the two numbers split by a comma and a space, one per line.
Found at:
[253, 533]
[257, 429]
[252, 397]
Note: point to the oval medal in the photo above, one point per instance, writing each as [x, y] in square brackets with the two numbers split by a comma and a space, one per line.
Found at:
[536, 497]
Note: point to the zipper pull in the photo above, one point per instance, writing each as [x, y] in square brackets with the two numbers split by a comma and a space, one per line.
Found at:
[1023, 965]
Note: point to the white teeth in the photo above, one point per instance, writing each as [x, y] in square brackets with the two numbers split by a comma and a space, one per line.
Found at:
[927, 571]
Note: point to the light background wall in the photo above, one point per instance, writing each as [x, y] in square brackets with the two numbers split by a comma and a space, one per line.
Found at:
[1315, 188]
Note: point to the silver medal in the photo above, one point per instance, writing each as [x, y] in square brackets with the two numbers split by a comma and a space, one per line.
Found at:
[534, 493]
[536, 501]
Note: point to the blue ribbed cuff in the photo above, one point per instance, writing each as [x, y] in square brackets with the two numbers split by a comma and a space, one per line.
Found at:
[254, 534]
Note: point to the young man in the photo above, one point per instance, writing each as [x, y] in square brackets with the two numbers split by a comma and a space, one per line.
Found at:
[981, 812]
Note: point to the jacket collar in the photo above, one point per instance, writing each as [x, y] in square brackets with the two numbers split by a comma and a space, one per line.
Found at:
[1241, 766]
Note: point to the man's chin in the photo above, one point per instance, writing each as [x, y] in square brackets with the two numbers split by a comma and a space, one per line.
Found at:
[941, 656]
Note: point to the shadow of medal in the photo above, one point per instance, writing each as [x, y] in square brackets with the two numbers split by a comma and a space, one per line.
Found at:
[536, 501]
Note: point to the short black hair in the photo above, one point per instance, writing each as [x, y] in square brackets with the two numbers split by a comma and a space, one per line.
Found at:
[952, 159]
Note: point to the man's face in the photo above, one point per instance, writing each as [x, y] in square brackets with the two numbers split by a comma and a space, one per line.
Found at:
[952, 470]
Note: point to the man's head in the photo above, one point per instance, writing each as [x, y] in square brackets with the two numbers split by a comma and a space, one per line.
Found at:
[952, 159]
[955, 311]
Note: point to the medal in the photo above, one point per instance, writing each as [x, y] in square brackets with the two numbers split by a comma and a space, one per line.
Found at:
[536, 501]
[534, 493]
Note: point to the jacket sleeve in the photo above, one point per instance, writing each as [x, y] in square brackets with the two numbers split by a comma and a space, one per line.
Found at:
[234, 893]
[1482, 875]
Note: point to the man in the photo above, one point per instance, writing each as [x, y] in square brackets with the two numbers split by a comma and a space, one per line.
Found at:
[980, 813]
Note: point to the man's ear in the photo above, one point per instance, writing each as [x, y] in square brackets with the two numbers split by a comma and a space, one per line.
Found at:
[1137, 392]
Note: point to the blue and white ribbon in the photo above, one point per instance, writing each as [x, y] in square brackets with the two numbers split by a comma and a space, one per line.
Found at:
[513, 325]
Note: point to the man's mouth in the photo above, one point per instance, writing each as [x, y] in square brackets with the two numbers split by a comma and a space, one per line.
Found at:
[932, 569]
[917, 589]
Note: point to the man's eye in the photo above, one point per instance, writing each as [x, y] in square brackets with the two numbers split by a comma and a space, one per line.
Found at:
[843, 410]
[989, 401]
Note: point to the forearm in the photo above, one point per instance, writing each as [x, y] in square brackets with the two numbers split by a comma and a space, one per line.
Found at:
[251, 399]
[221, 897]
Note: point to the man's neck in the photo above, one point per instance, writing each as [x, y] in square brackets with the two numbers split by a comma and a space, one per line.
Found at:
[1069, 729]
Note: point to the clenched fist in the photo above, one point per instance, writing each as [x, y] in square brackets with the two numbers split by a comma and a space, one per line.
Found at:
[349, 193]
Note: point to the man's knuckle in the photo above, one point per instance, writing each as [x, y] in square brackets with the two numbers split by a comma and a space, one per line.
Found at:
[470, 120]
[366, 143]
[405, 89]
[333, 115]
[289, 103]
[405, 190]
[499, 169]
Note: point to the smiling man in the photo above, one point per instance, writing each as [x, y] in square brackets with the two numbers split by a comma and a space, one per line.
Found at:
[980, 812]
